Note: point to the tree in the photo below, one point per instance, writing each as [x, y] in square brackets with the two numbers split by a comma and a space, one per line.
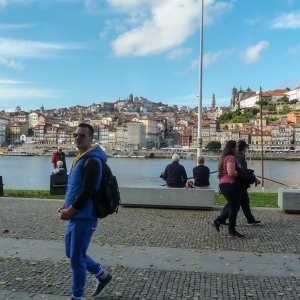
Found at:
[213, 145]
[283, 99]
[293, 101]
[238, 117]
[285, 110]
[263, 102]
[270, 107]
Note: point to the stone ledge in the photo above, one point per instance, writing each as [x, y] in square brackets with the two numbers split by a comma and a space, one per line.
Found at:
[167, 197]
[289, 200]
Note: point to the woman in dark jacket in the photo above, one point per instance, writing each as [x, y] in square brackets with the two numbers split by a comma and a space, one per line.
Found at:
[201, 173]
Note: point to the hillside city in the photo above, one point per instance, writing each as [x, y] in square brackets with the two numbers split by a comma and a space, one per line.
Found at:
[140, 123]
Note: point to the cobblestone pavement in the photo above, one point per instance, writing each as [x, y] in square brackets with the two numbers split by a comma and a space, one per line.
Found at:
[184, 229]
[34, 219]
[54, 278]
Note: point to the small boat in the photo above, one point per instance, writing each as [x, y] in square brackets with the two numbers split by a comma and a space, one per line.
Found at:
[16, 152]
[212, 158]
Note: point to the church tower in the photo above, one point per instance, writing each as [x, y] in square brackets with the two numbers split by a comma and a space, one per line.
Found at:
[234, 97]
[213, 101]
[130, 98]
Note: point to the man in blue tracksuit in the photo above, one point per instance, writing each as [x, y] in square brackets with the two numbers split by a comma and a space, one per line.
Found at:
[79, 210]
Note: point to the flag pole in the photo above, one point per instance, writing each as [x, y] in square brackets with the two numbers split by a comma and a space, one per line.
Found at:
[199, 149]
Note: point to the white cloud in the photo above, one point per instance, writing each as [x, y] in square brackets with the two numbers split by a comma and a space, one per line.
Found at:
[18, 93]
[90, 4]
[12, 64]
[21, 90]
[115, 24]
[293, 50]
[15, 26]
[9, 81]
[252, 53]
[178, 53]
[167, 25]
[252, 21]
[214, 10]
[287, 21]
[128, 4]
[210, 58]
[2, 3]
[11, 49]
[21, 48]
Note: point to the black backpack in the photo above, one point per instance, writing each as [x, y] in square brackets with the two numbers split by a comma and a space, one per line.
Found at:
[107, 198]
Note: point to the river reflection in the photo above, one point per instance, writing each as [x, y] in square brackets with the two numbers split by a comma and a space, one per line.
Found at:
[34, 172]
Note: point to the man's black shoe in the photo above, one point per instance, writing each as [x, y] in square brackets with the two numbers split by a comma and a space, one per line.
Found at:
[216, 224]
[236, 235]
[101, 285]
[254, 223]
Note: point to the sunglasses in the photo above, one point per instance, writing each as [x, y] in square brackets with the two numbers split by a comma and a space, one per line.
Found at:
[81, 135]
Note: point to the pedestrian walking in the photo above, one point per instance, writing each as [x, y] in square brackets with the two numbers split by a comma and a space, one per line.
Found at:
[78, 209]
[245, 201]
[228, 174]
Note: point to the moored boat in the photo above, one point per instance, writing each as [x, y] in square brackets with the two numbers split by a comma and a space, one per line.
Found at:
[16, 152]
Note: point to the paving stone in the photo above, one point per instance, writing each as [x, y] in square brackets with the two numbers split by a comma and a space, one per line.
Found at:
[181, 229]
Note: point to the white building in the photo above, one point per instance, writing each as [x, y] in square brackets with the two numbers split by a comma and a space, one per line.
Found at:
[2, 134]
[136, 134]
[293, 94]
[270, 96]
[33, 119]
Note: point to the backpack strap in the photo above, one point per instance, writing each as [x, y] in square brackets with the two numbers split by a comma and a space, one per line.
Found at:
[101, 167]
[85, 163]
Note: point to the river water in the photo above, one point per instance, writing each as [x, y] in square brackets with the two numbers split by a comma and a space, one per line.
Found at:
[34, 172]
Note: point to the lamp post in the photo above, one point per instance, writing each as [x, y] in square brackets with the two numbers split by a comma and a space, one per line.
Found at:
[199, 149]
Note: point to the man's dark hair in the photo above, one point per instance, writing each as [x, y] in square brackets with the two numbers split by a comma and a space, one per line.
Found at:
[90, 128]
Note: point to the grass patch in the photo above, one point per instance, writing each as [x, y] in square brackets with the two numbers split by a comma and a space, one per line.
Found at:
[256, 199]
[42, 194]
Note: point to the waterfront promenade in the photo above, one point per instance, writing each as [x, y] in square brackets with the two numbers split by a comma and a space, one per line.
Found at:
[153, 253]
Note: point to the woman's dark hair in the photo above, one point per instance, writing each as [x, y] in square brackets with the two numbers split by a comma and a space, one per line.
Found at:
[90, 128]
[228, 150]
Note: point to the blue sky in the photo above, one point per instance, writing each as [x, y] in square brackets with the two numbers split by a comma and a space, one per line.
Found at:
[59, 53]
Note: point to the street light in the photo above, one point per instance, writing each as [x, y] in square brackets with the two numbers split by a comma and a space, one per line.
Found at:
[199, 149]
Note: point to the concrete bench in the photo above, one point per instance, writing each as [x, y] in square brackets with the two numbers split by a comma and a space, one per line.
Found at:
[165, 197]
[58, 184]
[289, 200]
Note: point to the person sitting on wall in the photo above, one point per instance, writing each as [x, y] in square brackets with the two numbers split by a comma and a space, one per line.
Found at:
[190, 185]
[58, 155]
[201, 174]
[60, 170]
[175, 174]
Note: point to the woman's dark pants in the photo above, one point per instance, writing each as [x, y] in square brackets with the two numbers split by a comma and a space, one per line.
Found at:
[232, 193]
[245, 205]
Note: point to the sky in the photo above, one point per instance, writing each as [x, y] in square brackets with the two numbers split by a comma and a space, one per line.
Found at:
[61, 53]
